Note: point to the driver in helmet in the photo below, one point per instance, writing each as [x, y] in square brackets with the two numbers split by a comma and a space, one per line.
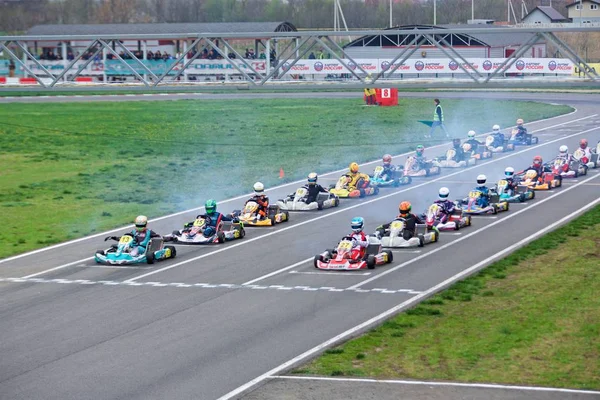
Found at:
[498, 136]
[509, 177]
[357, 179]
[410, 221]
[313, 188]
[538, 166]
[389, 171]
[521, 131]
[587, 153]
[212, 218]
[484, 199]
[420, 157]
[359, 238]
[474, 143]
[447, 206]
[141, 234]
[261, 199]
[459, 153]
[563, 154]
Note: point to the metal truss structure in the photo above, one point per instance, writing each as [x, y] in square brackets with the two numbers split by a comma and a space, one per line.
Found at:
[297, 46]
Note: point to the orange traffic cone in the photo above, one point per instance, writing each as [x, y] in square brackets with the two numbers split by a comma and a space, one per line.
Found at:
[281, 173]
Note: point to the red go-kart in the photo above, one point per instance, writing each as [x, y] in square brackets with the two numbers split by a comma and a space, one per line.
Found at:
[346, 257]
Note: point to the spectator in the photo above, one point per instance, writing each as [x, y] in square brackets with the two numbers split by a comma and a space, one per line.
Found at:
[149, 55]
[262, 56]
[438, 119]
[70, 55]
[251, 54]
[232, 56]
[205, 53]
[157, 55]
[312, 56]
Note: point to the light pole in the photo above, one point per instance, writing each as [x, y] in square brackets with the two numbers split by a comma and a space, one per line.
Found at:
[472, 9]
[435, 12]
[390, 13]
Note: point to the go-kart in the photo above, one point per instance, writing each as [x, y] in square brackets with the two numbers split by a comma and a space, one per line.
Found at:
[199, 234]
[297, 201]
[530, 180]
[412, 168]
[506, 194]
[526, 140]
[590, 160]
[249, 216]
[481, 152]
[471, 205]
[449, 160]
[568, 169]
[345, 258]
[381, 179]
[126, 251]
[456, 221]
[398, 236]
[342, 189]
[494, 147]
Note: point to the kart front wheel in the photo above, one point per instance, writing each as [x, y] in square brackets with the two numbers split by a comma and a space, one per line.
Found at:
[371, 261]
[421, 240]
[316, 260]
[150, 258]
[390, 256]
[221, 237]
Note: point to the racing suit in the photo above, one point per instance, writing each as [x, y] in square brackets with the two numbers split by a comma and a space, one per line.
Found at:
[389, 171]
[422, 162]
[212, 220]
[587, 154]
[474, 144]
[313, 192]
[410, 225]
[263, 205]
[498, 139]
[358, 180]
[512, 185]
[360, 244]
[460, 153]
[567, 158]
[447, 207]
[539, 169]
[484, 199]
[521, 133]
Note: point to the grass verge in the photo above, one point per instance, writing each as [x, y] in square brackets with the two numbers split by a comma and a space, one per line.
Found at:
[532, 318]
[71, 169]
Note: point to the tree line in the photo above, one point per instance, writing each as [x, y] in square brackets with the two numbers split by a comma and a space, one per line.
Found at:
[17, 16]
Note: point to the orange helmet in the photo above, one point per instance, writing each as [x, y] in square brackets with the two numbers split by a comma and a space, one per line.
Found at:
[583, 143]
[537, 160]
[354, 167]
[405, 207]
[387, 159]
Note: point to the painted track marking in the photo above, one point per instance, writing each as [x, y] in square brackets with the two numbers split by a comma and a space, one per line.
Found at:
[58, 245]
[345, 209]
[400, 307]
[347, 273]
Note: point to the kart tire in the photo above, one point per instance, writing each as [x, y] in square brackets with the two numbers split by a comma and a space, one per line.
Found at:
[150, 258]
[522, 197]
[273, 222]
[532, 195]
[173, 251]
[242, 233]
[101, 252]
[390, 256]
[396, 182]
[336, 202]
[316, 260]
[371, 261]
[287, 216]
[319, 205]
[468, 221]
[495, 209]
[376, 190]
[362, 193]
[220, 237]
[456, 225]
[330, 252]
[421, 241]
[576, 174]
[436, 235]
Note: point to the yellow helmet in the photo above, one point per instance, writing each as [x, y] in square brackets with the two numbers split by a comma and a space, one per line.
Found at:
[354, 167]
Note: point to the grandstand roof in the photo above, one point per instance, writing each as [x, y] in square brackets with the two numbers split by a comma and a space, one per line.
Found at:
[161, 28]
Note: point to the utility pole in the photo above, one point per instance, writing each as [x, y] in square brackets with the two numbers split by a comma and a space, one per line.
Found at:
[391, 14]
[472, 9]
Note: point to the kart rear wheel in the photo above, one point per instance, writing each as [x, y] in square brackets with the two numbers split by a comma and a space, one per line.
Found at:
[421, 240]
[319, 205]
[456, 225]
[495, 209]
[361, 193]
[221, 237]
[150, 258]
[242, 233]
[316, 260]
[532, 195]
[468, 221]
[273, 221]
[390, 256]
[376, 190]
[337, 202]
[287, 216]
[371, 261]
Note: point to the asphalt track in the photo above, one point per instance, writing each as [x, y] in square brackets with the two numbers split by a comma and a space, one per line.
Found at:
[217, 321]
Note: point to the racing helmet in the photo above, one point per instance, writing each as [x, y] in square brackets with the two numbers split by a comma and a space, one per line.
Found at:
[312, 178]
[405, 207]
[354, 168]
[357, 224]
[509, 172]
[387, 159]
[496, 128]
[210, 206]
[140, 222]
[259, 188]
[520, 121]
[420, 150]
[471, 134]
[466, 147]
[444, 193]
[583, 143]
[456, 142]
[481, 179]
[537, 160]
[563, 150]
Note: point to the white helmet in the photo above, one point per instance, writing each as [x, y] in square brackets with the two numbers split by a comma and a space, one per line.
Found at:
[563, 149]
[471, 135]
[444, 193]
[481, 179]
[496, 128]
[259, 188]
[509, 172]
[141, 221]
[312, 178]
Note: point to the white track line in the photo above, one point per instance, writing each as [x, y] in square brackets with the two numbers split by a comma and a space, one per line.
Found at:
[271, 189]
[328, 273]
[394, 310]
[476, 232]
[434, 383]
[278, 271]
[378, 198]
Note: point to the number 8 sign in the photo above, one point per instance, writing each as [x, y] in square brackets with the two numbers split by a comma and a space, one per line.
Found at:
[386, 93]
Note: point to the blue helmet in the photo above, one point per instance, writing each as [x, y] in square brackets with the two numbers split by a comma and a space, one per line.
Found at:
[357, 224]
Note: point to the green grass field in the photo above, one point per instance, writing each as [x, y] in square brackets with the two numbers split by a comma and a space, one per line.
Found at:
[71, 169]
[532, 318]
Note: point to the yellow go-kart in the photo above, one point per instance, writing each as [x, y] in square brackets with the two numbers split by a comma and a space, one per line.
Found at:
[249, 216]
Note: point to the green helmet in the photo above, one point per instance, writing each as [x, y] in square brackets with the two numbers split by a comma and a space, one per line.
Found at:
[210, 206]
[420, 150]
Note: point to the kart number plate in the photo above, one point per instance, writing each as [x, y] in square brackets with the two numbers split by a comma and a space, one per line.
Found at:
[474, 194]
[125, 239]
[397, 225]
[345, 246]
